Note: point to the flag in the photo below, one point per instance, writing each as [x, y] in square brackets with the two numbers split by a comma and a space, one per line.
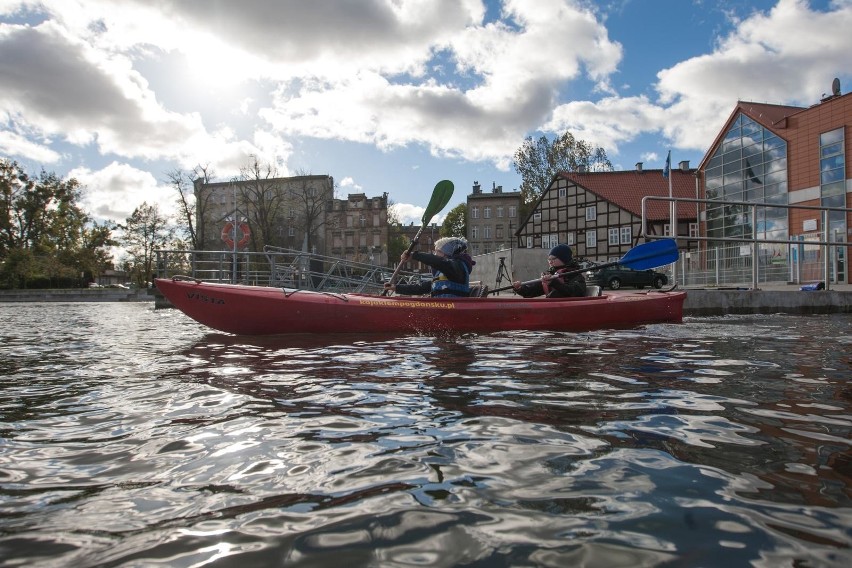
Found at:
[668, 165]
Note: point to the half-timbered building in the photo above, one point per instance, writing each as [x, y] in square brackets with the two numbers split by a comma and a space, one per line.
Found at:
[599, 214]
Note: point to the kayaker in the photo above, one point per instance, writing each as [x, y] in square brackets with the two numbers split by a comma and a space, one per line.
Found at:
[451, 266]
[561, 260]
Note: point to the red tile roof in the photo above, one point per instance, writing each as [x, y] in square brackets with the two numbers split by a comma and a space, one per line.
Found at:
[627, 188]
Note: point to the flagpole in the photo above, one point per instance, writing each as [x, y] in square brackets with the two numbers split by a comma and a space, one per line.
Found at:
[672, 214]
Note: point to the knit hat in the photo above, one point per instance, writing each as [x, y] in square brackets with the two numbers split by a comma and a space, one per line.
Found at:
[562, 252]
[451, 246]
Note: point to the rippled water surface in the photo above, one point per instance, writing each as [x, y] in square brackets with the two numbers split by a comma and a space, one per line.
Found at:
[135, 437]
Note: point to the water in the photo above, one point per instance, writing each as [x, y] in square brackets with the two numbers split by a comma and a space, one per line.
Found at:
[135, 437]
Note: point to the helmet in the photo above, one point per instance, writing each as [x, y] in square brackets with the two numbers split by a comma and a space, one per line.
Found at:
[451, 246]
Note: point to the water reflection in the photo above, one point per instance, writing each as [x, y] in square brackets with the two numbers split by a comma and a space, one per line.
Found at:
[721, 440]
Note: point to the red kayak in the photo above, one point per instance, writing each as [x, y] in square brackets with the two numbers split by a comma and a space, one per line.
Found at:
[257, 310]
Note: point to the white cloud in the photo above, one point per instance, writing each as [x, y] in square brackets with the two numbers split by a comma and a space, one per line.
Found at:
[349, 183]
[192, 82]
[114, 192]
[413, 215]
[14, 144]
[786, 56]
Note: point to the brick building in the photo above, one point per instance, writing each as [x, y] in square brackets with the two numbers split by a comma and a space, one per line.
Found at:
[787, 155]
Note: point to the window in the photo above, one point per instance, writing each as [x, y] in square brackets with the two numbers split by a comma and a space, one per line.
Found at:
[562, 192]
[291, 232]
[486, 212]
[591, 213]
[537, 217]
[499, 211]
[693, 229]
[487, 232]
[513, 212]
[474, 212]
[529, 242]
[554, 240]
[363, 221]
[591, 239]
[613, 236]
[749, 165]
[667, 230]
[626, 235]
[474, 232]
[569, 239]
[498, 232]
[832, 169]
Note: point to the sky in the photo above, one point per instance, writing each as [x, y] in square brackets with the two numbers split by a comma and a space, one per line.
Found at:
[389, 95]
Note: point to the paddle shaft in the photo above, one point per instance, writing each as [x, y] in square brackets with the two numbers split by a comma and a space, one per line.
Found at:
[440, 197]
[414, 242]
[647, 255]
[561, 275]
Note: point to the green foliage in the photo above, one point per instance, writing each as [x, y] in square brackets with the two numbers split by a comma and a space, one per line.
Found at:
[538, 161]
[397, 242]
[145, 231]
[46, 240]
[455, 223]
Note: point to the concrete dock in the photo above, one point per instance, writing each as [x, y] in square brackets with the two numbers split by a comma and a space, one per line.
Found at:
[768, 299]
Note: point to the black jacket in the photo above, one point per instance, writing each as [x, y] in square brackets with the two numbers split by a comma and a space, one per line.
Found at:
[559, 287]
[451, 267]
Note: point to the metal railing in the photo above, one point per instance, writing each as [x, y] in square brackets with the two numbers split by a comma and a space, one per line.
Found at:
[751, 259]
[278, 267]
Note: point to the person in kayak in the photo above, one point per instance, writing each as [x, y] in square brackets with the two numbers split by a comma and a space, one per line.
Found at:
[451, 266]
[552, 285]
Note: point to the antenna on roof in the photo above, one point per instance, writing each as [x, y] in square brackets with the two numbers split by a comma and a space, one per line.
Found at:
[835, 87]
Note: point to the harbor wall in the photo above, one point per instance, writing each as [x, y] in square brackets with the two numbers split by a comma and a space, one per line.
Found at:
[721, 302]
[77, 295]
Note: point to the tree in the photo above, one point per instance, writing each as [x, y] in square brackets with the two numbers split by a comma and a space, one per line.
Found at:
[539, 161]
[193, 208]
[397, 242]
[455, 223]
[263, 201]
[46, 239]
[145, 231]
[311, 196]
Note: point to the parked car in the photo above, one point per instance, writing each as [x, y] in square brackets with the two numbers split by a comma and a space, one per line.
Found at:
[616, 277]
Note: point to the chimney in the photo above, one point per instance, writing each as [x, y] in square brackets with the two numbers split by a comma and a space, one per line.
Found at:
[581, 169]
[476, 188]
[639, 167]
[684, 165]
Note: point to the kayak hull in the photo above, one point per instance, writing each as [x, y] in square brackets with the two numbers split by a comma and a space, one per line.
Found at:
[257, 310]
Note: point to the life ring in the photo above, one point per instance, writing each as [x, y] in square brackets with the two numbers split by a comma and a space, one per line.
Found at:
[228, 229]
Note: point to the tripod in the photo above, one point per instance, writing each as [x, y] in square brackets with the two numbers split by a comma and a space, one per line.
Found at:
[502, 272]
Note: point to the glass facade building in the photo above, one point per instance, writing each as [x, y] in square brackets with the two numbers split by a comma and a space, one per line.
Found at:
[750, 165]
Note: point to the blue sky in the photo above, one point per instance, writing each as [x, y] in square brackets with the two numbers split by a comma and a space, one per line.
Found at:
[389, 95]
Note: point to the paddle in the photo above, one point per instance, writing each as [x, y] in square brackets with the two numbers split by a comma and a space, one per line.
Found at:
[641, 257]
[440, 197]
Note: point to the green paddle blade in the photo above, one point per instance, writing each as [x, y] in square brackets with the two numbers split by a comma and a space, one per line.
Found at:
[441, 195]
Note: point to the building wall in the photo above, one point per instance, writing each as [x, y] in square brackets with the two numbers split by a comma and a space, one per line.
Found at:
[357, 229]
[802, 168]
[280, 203]
[802, 134]
[561, 218]
[496, 231]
